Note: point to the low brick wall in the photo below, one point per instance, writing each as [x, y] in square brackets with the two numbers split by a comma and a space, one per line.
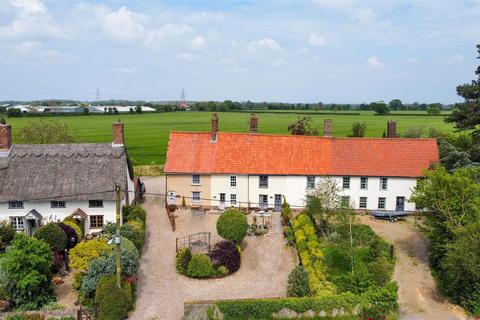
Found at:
[56, 314]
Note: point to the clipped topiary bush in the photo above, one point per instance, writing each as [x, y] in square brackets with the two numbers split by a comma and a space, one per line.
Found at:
[225, 253]
[53, 235]
[232, 225]
[85, 252]
[298, 283]
[72, 238]
[7, 233]
[200, 266]
[75, 227]
[182, 260]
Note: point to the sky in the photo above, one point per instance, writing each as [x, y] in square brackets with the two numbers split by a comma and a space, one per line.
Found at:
[265, 50]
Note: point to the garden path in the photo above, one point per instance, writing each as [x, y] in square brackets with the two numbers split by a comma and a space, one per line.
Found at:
[161, 292]
[417, 294]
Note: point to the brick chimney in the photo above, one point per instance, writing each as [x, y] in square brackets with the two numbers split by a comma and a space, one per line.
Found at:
[5, 137]
[118, 135]
[253, 123]
[214, 129]
[391, 129]
[327, 127]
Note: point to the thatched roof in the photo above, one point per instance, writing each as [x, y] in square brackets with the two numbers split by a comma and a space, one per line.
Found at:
[63, 172]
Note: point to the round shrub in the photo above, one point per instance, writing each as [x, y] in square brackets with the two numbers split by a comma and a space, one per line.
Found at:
[72, 237]
[85, 252]
[113, 303]
[200, 266]
[232, 225]
[297, 285]
[7, 233]
[134, 232]
[75, 227]
[105, 266]
[53, 235]
[225, 253]
[108, 284]
[183, 259]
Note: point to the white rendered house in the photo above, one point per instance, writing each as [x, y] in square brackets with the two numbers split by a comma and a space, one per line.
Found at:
[219, 169]
[50, 182]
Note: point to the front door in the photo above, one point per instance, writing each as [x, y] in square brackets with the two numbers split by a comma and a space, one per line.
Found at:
[30, 227]
[221, 205]
[263, 201]
[400, 204]
[278, 202]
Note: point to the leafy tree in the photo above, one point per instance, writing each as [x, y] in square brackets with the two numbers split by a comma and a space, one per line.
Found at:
[26, 266]
[303, 127]
[434, 109]
[466, 116]
[395, 104]
[286, 212]
[45, 132]
[358, 129]
[53, 235]
[7, 233]
[379, 107]
[138, 109]
[453, 229]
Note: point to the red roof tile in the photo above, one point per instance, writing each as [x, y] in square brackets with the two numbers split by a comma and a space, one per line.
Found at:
[244, 153]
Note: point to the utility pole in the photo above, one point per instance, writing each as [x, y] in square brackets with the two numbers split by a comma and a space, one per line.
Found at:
[117, 238]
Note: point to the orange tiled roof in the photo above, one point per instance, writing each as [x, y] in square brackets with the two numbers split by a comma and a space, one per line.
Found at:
[244, 153]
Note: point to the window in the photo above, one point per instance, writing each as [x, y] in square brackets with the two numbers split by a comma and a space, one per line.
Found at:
[346, 183]
[263, 201]
[381, 203]
[17, 223]
[383, 183]
[196, 196]
[15, 204]
[222, 197]
[233, 199]
[364, 183]
[233, 181]
[96, 222]
[95, 203]
[310, 182]
[263, 182]
[345, 200]
[57, 204]
[195, 179]
[363, 203]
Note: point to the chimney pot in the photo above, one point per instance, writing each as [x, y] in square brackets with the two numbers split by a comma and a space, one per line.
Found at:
[253, 123]
[391, 129]
[327, 128]
[118, 133]
[5, 137]
[214, 129]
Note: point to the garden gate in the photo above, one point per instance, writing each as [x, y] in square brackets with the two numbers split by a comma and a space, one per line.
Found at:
[197, 242]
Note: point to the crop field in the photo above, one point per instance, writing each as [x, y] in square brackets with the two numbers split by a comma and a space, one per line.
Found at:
[146, 135]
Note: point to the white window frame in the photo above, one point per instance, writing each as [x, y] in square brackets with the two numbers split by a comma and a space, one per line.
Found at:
[233, 199]
[194, 198]
[264, 179]
[196, 179]
[15, 204]
[346, 182]
[54, 204]
[233, 181]
[224, 196]
[364, 203]
[18, 223]
[384, 200]
[364, 183]
[382, 179]
[310, 182]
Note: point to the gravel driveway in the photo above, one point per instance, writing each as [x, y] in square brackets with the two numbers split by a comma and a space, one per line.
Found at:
[418, 296]
[266, 263]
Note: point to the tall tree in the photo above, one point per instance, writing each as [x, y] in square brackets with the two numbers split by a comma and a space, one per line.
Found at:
[46, 131]
[395, 104]
[466, 115]
[303, 127]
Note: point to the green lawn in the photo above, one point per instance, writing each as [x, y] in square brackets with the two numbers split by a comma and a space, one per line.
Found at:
[147, 134]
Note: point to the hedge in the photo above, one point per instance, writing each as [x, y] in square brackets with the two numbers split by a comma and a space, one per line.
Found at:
[383, 299]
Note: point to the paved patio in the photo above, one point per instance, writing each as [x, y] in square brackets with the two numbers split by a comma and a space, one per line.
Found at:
[266, 263]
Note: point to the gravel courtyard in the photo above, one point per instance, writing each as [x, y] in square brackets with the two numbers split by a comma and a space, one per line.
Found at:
[266, 263]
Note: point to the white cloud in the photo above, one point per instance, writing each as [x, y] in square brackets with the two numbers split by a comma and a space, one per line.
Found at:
[186, 56]
[121, 25]
[366, 16]
[198, 42]
[374, 62]
[317, 40]
[456, 58]
[32, 6]
[35, 51]
[267, 43]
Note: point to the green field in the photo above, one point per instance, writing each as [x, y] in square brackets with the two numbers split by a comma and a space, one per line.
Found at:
[147, 134]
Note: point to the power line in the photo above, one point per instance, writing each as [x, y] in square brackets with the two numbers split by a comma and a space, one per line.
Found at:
[61, 196]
